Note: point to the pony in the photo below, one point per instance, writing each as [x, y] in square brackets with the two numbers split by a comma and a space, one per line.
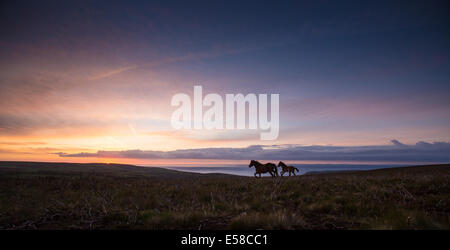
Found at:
[285, 168]
[264, 168]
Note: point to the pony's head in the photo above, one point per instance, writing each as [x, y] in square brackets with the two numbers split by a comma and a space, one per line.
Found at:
[281, 164]
[252, 163]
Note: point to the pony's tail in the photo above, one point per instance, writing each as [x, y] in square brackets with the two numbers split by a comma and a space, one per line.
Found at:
[296, 169]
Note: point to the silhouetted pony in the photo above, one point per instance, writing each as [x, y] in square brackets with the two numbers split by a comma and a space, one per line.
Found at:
[285, 168]
[264, 168]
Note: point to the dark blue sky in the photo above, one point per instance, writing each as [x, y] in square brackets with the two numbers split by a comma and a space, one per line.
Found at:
[393, 43]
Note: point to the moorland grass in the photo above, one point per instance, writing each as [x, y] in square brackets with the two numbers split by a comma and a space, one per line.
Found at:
[101, 196]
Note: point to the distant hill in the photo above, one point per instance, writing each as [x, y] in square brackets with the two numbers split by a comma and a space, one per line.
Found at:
[419, 169]
[8, 168]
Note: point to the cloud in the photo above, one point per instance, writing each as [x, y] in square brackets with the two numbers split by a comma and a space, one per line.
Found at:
[22, 143]
[27, 124]
[112, 72]
[212, 53]
[397, 143]
[420, 152]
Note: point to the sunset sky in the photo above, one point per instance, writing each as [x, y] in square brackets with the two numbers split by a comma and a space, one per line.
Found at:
[92, 81]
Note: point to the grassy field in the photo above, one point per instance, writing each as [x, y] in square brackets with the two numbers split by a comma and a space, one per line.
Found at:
[112, 196]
